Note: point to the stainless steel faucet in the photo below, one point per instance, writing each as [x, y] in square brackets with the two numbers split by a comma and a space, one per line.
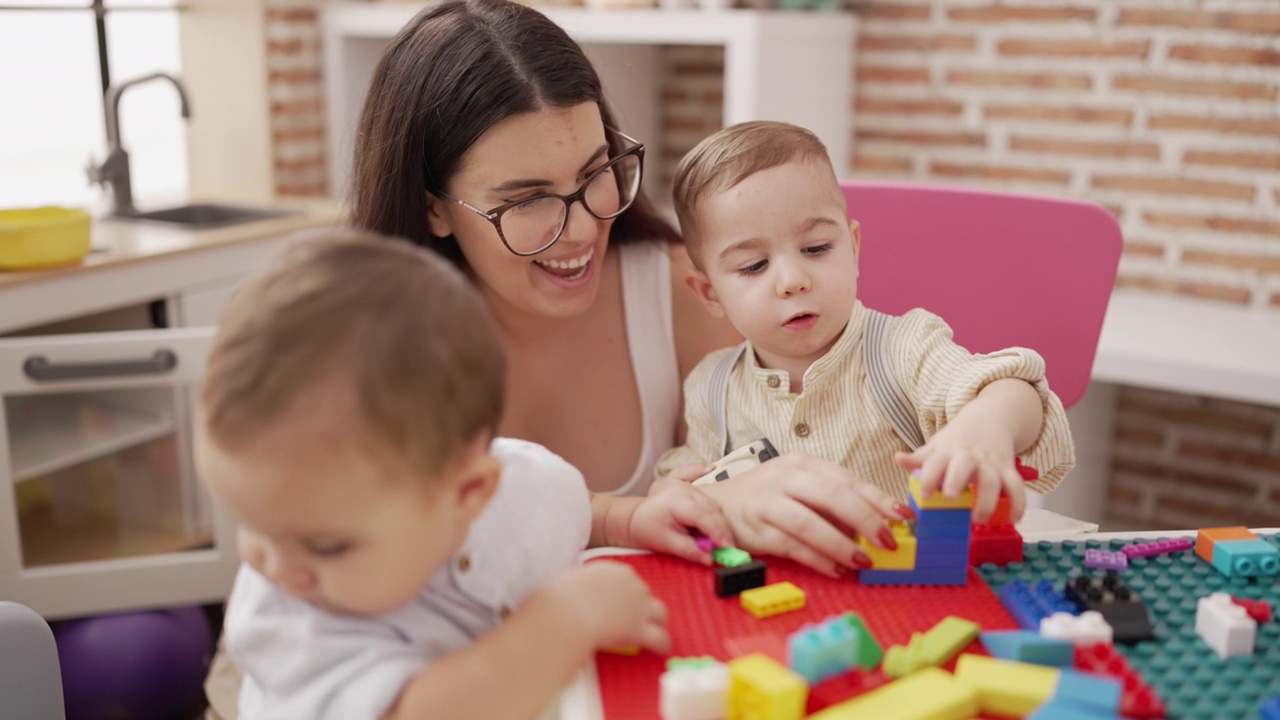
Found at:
[114, 170]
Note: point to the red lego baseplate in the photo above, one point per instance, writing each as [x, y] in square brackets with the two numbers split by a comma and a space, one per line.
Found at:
[700, 622]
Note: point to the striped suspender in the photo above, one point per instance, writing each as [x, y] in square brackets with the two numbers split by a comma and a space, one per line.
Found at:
[894, 404]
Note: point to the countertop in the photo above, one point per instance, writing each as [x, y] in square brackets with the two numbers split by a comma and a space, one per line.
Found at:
[139, 262]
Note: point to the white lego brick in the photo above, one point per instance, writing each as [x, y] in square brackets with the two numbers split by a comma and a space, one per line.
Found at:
[694, 693]
[1089, 628]
[1225, 626]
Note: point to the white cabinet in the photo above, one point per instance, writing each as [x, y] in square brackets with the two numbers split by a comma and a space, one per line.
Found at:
[778, 65]
[100, 508]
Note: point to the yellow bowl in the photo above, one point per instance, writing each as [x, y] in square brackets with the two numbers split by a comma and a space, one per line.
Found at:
[42, 237]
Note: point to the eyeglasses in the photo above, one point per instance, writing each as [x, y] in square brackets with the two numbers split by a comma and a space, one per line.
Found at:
[531, 225]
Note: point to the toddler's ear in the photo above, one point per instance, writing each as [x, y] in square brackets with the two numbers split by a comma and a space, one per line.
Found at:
[478, 484]
[701, 287]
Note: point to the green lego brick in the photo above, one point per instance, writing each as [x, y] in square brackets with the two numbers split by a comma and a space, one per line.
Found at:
[730, 557]
[1192, 681]
[869, 651]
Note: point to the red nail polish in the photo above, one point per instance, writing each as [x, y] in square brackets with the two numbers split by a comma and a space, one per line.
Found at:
[904, 512]
[862, 561]
[886, 539]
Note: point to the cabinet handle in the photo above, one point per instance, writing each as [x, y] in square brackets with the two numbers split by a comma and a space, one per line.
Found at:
[38, 367]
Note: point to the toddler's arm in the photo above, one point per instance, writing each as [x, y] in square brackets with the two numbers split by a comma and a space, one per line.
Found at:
[515, 670]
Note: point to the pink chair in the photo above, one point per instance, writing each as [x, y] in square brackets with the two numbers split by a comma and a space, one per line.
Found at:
[1002, 269]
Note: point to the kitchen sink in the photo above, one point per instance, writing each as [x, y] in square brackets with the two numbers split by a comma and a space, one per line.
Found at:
[207, 215]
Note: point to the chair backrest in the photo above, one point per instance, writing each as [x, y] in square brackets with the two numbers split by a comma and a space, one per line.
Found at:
[1002, 269]
[30, 679]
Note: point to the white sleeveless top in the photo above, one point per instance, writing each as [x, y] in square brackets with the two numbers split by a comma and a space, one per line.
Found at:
[646, 303]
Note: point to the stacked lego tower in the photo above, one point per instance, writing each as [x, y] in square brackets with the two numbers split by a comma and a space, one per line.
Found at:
[933, 549]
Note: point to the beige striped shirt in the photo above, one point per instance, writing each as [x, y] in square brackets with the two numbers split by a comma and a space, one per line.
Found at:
[836, 416]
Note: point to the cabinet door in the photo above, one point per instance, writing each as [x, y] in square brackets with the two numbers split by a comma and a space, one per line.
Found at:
[100, 509]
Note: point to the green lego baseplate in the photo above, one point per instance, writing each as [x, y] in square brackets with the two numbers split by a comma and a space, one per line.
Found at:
[1194, 683]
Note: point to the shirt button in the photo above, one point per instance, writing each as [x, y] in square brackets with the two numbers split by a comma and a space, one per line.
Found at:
[774, 381]
[802, 430]
[464, 563]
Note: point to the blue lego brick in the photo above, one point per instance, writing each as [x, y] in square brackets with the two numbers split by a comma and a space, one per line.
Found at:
[941, 554]
[1029, 647]
[1270, 709]
[954, 533]
[1191, 682]
[923, 576]
[1055, 710]
[1029, 604]
[937, 516]
[823, 650]
[1246, 558]
[1098, 694]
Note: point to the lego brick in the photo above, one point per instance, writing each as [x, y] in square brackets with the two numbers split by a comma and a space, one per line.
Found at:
[957, 534]
[1084, 690]
[1130, 622]
[940, 517]
[1105, 560]
[919, 576]
[1007, 688]
[1057, 710]
[1002, 514]
[930, 694]
[1270, 709]
[997, 544]
[1085, 629]
[842, 687]
[730, 557]
[1225, 626]
[1259, 610]
[901, 558]
[733, 580]
[762, 688]
[938, 501]
[1206, 537]
[694, 692]
[1138, 700]
[1029, 604]
[869, 651]
[763, 602]
[1123, 610]
[1028, 647]
[1159, 547]
[933, 648]
[770, 644]
[1246, 558]
[934, 553]
[818, 651]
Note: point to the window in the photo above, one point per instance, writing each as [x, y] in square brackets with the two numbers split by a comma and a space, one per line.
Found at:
[53, 63]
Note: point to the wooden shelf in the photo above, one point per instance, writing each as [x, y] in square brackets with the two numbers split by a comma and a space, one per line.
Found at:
[52, 432]
[45, 541]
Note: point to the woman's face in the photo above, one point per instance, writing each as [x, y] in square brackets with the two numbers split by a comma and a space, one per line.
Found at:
[547, 151]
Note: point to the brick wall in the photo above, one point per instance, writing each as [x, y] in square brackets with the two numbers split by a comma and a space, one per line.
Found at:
[295, 89]
[1167, 112]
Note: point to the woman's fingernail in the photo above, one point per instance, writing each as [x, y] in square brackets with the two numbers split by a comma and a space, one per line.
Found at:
[861, 560]
[904, 512]
[886, 539]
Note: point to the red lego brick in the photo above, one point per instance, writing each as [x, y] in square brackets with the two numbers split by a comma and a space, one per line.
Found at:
[1001, 514]
[1259, 610]
[845, 686]
[999, 544]
[1138, 700]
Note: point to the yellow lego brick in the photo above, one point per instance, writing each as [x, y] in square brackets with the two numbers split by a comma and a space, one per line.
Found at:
[761, 688]
[938, 501]
[929, 694]
[772, 599]
[1007, 688]
[904, 558]
[933, 648]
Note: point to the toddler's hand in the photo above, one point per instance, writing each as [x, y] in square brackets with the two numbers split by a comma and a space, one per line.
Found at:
[958, 457]
[614, 605]
[663, 520]
[679, 475]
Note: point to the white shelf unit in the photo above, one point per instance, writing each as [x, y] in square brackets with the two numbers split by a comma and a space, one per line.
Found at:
[51, 433]
[790, 66]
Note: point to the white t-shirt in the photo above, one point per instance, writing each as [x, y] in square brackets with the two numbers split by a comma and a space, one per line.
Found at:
[302, 662]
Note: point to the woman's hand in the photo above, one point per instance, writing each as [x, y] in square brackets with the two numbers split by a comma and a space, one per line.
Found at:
[807, 509]
[662, 523]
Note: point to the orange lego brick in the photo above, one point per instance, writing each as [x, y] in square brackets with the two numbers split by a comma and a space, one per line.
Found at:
[1206, 537]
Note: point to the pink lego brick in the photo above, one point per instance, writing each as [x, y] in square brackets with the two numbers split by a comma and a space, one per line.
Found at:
[1105, 560]
[1159, 547]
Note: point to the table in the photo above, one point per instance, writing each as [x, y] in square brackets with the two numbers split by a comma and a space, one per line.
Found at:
[1193, 682]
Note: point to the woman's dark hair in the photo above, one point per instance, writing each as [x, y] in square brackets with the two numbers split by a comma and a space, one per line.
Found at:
[457, 69]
